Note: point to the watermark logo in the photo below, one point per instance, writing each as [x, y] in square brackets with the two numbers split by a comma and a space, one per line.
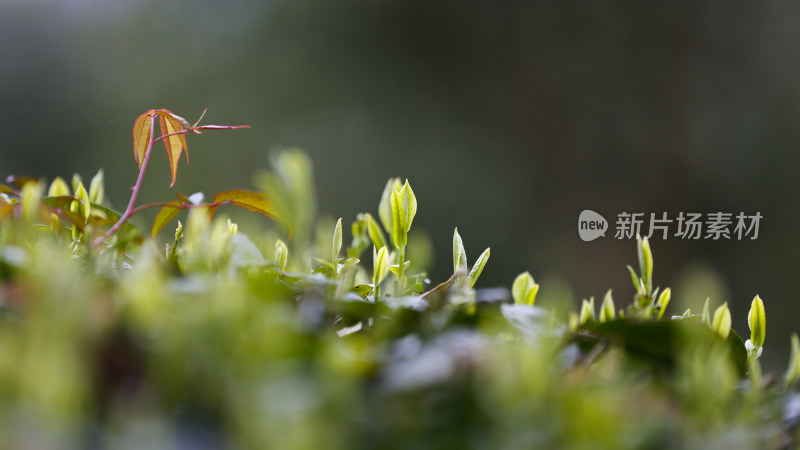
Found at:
[591, 225]
[694, 225]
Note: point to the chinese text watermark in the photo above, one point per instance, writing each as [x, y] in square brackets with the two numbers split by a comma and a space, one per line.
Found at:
[693, 225]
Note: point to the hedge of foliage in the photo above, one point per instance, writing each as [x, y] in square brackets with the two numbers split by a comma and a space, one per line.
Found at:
[301, 337]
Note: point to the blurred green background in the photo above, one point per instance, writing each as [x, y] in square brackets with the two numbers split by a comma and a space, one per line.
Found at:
[508, 118]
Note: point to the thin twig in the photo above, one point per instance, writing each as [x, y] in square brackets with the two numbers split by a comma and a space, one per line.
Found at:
[136, 188]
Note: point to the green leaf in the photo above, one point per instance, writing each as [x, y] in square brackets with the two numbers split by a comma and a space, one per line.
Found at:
[475, 273]
[380, 265]
[635, 280]
[362, 290]
[97, 189]
[399, 234]
[281, 254]
[395, 268]
[336, 246]
[375, 233]
[587, 311]
[409, 205]
[607, 310]
[385, 207]
[530, 296]
[757, 320]
[522, 284]
[706, 316]
[721, 323]
[82, 205]
[459, 255]
[360, 242]
[76, 180]
[646, 263]
[58, 188]
[663, 300]
[165, 216]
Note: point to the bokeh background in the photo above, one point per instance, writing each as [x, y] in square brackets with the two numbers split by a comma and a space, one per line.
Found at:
[509, 118]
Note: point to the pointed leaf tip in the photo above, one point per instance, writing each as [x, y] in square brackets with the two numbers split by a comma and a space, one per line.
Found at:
[757, 321]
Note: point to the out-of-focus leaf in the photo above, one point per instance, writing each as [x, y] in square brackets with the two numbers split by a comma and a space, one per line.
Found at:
[6, 209]
[97, 190]
[101, 216]
[141, 136]
[587, 311]
[281, 254]
[165, 216]
[361, 289]
[706, 316]
[61, 205]
[19, 182]
[657, 342]
[61, 202]
[174, 144]
[58, 188]
[5, 189]
[77, 180]
[721, 323]
[607, 311]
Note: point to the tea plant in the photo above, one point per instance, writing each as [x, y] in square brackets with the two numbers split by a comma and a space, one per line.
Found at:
[295, 339]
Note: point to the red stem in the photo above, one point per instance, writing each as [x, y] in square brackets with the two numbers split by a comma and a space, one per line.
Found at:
[129, 210]
[180, 205]
[184, 131]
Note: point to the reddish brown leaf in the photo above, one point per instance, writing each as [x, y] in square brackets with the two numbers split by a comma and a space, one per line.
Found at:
[174, 144]
[141, 136]
[5, 189]
[177, 117]
[164, 216]
[253, 201]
